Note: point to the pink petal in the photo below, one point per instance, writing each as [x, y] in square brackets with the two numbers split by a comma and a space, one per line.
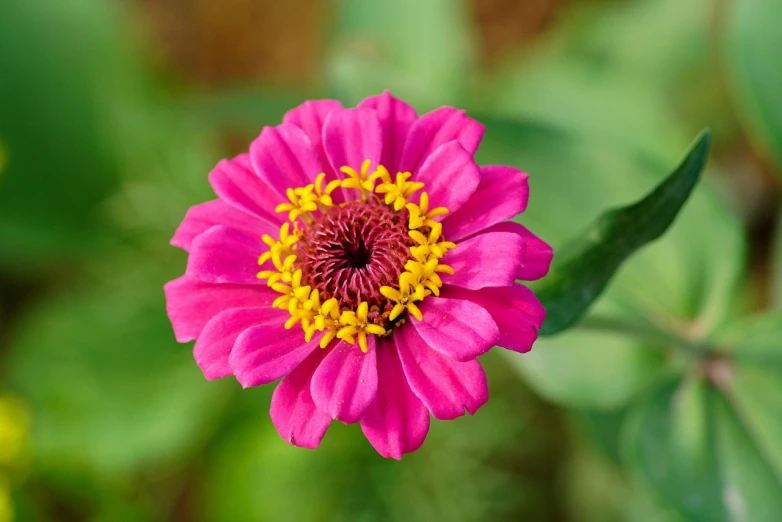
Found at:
[285, 158]
[310, 117]
[191, 303]
[450, 177]
[226, 255]
[216, 341]
[488, 259]
[236, 183]
[267, 352]
[352, 136]
[345, 384]
[396, 118]
[202, 217]
[293, 412]
[503, 193]
[444, 385]
[538, 255]
[515, 309]
[458, 329]
[397, 421]
[437, 128]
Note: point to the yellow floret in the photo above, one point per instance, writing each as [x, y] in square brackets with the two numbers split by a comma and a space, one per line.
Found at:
[430, 247]
[405, 297]
[293, 295]
[361, 181]
[357, 324]
[420, 215]
[397, 193]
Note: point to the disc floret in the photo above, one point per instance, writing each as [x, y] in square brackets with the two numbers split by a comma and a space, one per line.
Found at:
[390, 244]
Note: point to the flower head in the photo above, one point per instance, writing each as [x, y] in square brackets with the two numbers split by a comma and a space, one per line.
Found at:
[364, 258]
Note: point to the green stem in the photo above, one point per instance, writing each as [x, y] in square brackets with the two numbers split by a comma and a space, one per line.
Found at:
[660, 336]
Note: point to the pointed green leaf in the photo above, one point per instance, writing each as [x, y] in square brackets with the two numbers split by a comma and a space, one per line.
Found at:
[583, 269]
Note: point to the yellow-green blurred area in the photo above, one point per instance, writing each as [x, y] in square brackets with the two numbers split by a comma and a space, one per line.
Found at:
[112, 113]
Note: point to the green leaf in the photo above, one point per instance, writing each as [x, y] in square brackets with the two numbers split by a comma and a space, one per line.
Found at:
[751, 491]
[671, 444]
[758, 393]
[693, 445]
[753, 52]
[755, 379]
[753, 339]
[583, 269]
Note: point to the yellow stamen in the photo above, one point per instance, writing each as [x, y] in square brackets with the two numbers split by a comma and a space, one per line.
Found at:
[292, 295]
[324, 194]
[397, 193]
[361, 181]
[421, 216]
[430, 247]
[280, 248]
[321, 317]
[357, 324]
[302, 202]
[307, 199]
[424, 274]
[284, 270]
[404, 297]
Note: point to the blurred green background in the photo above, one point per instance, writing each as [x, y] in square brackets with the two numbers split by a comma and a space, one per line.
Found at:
[664, 405]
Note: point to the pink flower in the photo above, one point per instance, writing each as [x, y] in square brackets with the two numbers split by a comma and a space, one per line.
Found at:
[360, 304]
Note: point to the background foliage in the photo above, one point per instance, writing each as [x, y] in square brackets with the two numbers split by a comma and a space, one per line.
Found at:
[663, 404]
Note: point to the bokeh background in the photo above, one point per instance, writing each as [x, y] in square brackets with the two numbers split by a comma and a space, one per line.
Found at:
[664, 405]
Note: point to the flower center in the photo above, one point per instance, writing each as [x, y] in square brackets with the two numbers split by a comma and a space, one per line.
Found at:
[349, 252]
[357, 268]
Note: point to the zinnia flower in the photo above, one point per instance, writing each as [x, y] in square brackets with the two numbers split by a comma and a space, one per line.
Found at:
[364, 258]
